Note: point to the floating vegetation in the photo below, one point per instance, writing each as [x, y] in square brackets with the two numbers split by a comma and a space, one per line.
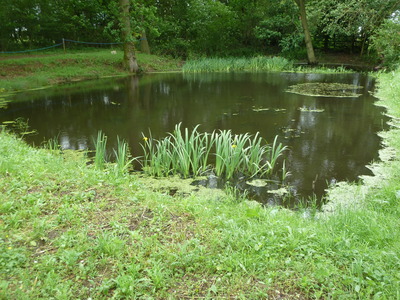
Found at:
[291, 132]
[280, 192]
[258, 182]
[261, 109]
[320, 89]
[258, 109]
[19, 126]
[3, 103]
[308, 109]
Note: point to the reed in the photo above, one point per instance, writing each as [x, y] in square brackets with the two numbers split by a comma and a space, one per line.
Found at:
[188, 154]
[187, 150]
[275, 151]
[253, 64]
[255, 157]
[157, 156]
[122, 157]
[52, 144]
[100, 153]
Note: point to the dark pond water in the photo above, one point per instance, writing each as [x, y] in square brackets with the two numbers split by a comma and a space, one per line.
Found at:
[330, 139]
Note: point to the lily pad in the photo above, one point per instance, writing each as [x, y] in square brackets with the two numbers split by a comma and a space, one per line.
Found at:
[258, 182]
[308, 109]
[280, 192]
[261, 109]
[320, 89]
[3, 103]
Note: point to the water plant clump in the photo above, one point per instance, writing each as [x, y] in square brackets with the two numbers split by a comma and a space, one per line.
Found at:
[100, 157]
[253, 64]
[122, 157]
[320, 89]
[193, 153]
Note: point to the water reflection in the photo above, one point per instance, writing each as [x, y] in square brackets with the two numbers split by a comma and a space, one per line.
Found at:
[333, 140]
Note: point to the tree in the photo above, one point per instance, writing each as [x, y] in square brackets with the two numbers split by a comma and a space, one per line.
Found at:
[279, 27]
[386, 41]
[130, 62]
[350, 20]
[307, 36]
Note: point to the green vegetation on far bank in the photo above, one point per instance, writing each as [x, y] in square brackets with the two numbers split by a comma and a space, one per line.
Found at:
[254, 64]
[261, 64]
[69, 230]
[21, 72]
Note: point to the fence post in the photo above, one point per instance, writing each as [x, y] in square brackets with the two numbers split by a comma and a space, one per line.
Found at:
[63, 42]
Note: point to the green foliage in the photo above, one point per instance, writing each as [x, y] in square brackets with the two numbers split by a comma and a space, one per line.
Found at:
[19, 127]
[190, 153]
[348, 24]
[386, 41]
[279, 27]
[213, 27]
[100, 145]
[57, 67]
[40, 22]
[255, 64]
[122, 157]
[196, 28]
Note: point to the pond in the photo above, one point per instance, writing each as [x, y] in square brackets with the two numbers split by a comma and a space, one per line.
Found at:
[330, 139]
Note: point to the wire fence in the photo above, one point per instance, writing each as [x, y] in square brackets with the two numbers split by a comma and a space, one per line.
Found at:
[63, 44]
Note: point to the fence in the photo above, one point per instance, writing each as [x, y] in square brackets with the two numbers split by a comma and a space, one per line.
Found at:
[63, 44]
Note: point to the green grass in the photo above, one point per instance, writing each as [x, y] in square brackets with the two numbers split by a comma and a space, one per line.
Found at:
[20, 72]
[71, 231]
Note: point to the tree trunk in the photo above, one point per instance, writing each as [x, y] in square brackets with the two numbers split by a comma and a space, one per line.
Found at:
[364, 44]
[307, 36]
[144, 43]
[129, 61]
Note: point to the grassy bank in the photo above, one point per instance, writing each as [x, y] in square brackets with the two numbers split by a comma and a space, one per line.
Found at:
[68, 230]
[19, 72]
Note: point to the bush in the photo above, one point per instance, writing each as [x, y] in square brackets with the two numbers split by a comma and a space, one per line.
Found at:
[386, 42]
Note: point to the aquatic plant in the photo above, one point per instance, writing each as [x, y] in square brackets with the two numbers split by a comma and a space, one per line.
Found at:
[157, 158]
[19, 127]
[187, 151]
[275, 151]
[100, 154]
[322, 89]
[122, 155]
[52, 144]
[191, 153]
[253, 64]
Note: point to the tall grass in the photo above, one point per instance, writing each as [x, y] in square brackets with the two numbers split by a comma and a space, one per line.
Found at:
[100, 144]
[122, 157]
[191, 153]
[253, 64]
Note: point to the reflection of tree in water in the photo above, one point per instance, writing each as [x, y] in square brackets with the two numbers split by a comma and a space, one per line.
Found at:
[337, 143]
